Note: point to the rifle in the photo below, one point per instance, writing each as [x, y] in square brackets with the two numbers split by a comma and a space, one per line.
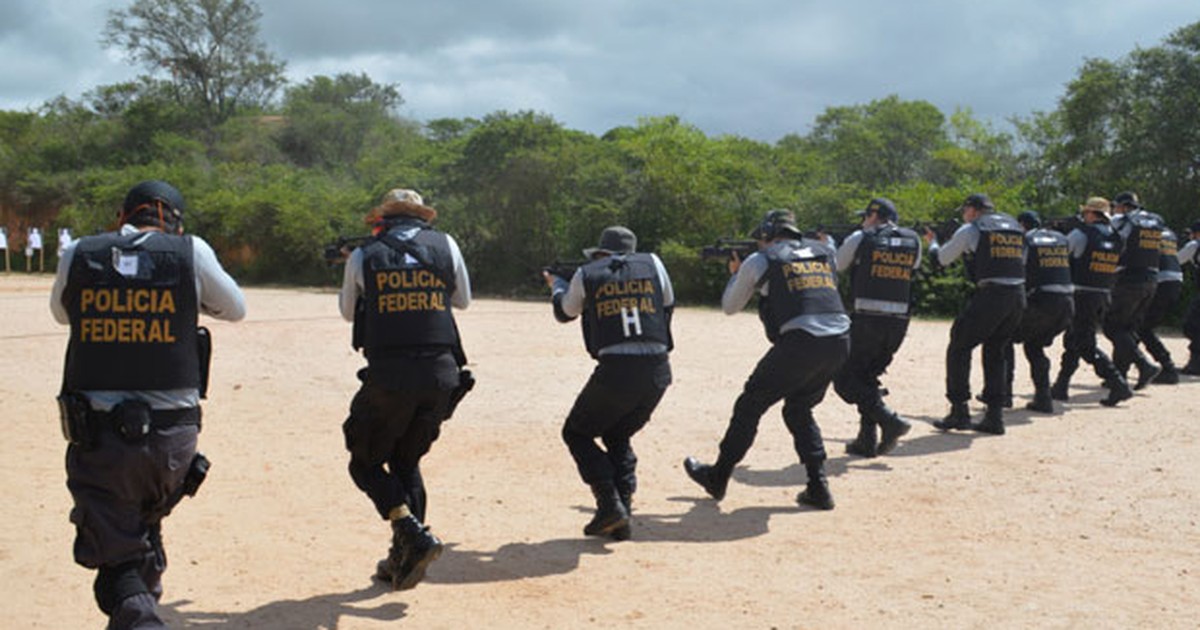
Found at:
[337, 252]
[726, 247]
[943, 230]
[839, 231]
[564, 269]
[1064, 224]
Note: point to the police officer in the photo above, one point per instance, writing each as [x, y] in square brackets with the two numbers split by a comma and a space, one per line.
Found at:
[398, 289]
[881, 259]
[1169, 287]
[994, 246]
[1190, 253]
[136, 369]
[799, 305]
[1050, 305]
[1095, 254]
[1136, 282]
[626, 301]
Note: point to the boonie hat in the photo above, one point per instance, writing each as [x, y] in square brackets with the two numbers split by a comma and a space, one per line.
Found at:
[402, 201]
[1099, 205]
[614, 240]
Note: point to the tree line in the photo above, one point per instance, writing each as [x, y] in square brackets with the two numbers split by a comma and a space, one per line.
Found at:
[273, 172]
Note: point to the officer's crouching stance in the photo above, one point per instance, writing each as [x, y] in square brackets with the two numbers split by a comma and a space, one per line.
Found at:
[402, 284]
[626, 300]
[796, 279]
[136, 369]
[881, 259]
[994, 245]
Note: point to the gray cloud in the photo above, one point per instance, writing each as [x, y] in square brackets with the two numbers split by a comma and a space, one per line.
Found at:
[761, 68]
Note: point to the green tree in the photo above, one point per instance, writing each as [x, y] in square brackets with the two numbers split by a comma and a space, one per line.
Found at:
[328, 119]
[885, 142]
[209, 49]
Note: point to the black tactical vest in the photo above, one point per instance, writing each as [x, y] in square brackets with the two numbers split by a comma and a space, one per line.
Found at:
[1097, 267]
[881, 281]
[800, 280]
[133, 309]
[1144, 244]
[1168, 259]
[1049, 260]
[999, 254]
[407, 286]
[623, 303]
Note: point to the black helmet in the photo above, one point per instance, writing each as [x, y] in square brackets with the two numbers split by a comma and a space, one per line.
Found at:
[1127, 198]
[775, 223]
[1030, 219]
[154, 203]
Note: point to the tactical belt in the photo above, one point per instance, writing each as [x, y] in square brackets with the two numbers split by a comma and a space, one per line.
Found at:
[159, 418]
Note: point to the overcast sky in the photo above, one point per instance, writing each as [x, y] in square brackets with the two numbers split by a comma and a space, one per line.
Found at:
[755, 68]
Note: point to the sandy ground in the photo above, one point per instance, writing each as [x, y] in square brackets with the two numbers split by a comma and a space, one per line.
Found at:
[1083, 519]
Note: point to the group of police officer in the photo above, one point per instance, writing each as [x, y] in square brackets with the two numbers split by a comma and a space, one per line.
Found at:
[1118, 269]
[136, 365]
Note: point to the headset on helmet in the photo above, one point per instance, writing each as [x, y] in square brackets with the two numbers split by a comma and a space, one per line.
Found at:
[154, 203]
[773, 223]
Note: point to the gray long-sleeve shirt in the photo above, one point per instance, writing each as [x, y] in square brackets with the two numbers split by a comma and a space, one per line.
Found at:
[574, 298]
[845, 261]
[965, 241]
[743, 284]
[216, 292]
[352, 277]
[1187, 253]
[849, 249]
[1077, 244]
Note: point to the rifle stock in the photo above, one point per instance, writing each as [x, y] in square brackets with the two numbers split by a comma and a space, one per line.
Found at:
[943, 229]
[1064, 224]
[564, 269]
[337, 252]
[839, 231]
[725, 248]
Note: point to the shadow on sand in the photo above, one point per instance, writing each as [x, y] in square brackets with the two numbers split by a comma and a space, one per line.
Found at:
[321, 611]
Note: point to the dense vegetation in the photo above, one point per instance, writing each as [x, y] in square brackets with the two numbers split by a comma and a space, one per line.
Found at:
[273, 172]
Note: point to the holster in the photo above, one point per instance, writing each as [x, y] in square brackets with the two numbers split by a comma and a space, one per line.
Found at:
[204, 351]
[196, 474]
[466, 382]
[73, 413]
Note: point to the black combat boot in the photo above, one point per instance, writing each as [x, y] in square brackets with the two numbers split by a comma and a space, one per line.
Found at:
[1118, 390]
[1168, 376]
[864, 444]
[993, 421]
[958, 418]
[1042, 402]
[891, 428]
[610, 511]
[414, 547]
[713, 482]
[624, 533]
[1147, 371]
[816, 492]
